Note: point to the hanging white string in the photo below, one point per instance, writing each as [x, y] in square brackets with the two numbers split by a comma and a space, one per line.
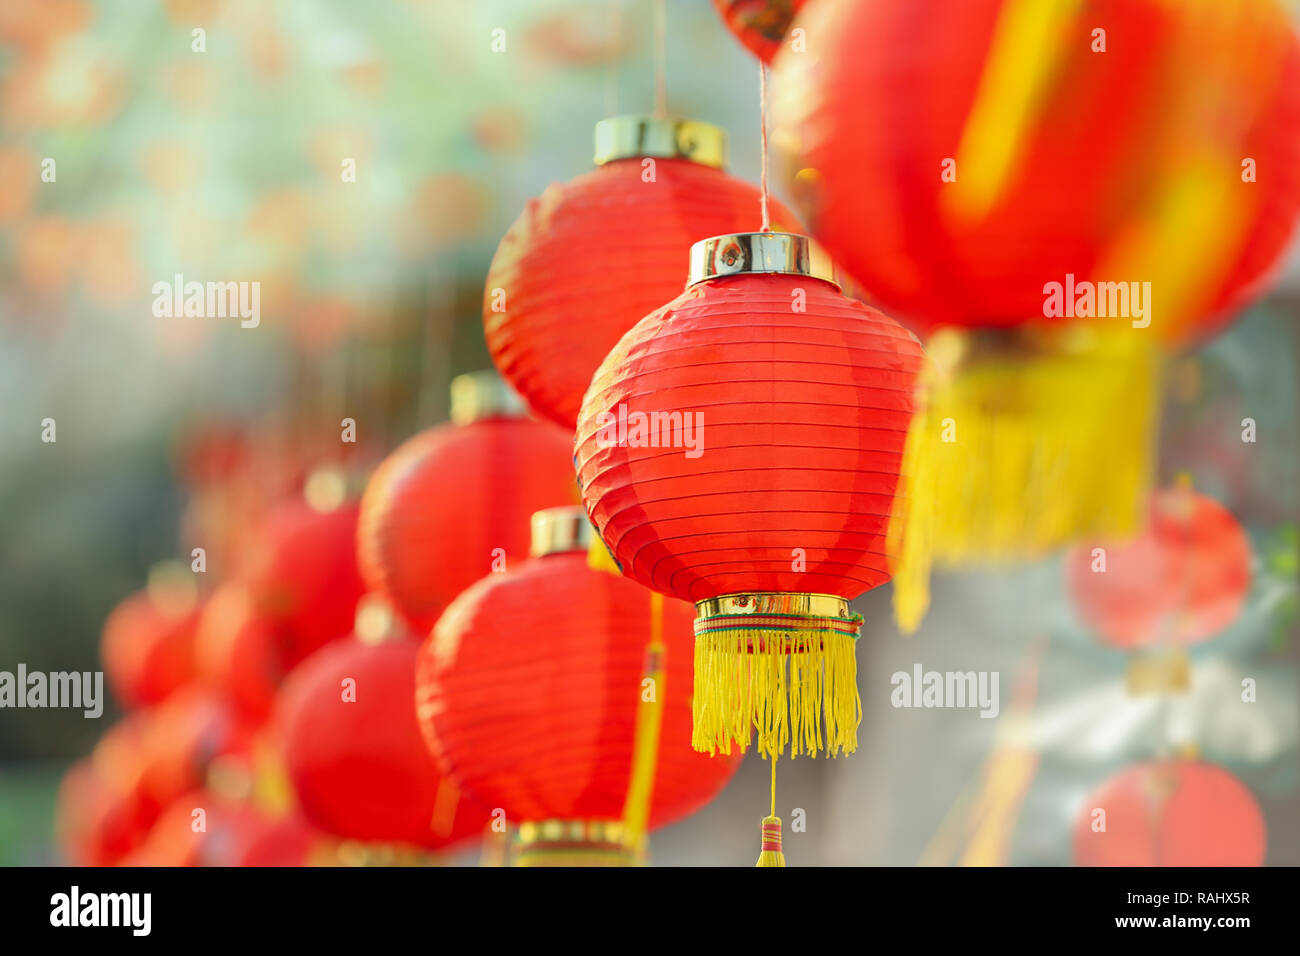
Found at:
[762, 115]
[661, 60]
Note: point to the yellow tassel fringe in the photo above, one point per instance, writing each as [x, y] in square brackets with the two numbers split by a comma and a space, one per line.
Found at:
[1023, 443]
[800, 692]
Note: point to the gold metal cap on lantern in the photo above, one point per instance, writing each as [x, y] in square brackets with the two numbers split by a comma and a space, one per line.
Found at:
[479, 395]
[630, 137]
[556, 530]
[772, 253]
[376, 621]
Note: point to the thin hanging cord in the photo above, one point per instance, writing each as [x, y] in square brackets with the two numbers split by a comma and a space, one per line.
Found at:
[661, 60]
[767, 225]
[773, 813]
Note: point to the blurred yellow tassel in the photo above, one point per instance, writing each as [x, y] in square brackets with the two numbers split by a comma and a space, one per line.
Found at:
[599, 558]
[645, 746]
[1024, 442]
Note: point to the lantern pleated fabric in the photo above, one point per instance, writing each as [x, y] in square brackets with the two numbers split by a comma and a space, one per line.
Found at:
[588, 258]
[1171, 813]
[1183, 580]
[740, 448]
[354, 753]
[533, 694]
[1053, 194]
[453, 502]
[760, 25]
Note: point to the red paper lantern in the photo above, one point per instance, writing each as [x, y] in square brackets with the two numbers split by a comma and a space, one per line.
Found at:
[802, 398]
[148, 645]
[96, 822]
[289, 841]
[761, 25]
[1171, 813]
[303, 576]
[200, 829]
[239, 651]
[957, 156]
[1183, 580]
[184, 736]
[354, 753]
[529, 689]
[452, 503]
[590, 257]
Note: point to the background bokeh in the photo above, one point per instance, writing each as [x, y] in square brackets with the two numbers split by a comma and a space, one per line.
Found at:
[226, 165]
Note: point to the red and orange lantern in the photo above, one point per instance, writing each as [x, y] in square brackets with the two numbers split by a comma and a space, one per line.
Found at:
[1051, 193]
[97, 822]
[1171, 813]
[148, 640]
[586, 260]
[239, 651]
[536, 694]
[184, 737]
[452, 503]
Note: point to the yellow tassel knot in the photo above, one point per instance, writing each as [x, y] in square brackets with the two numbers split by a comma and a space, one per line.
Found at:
[771, 853]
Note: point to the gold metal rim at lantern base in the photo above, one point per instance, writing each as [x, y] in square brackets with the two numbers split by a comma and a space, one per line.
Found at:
[771, 253]
[557, 530]
[479, 395]
[534, 832]
[573, 843]
[633, 137]
[760, 603]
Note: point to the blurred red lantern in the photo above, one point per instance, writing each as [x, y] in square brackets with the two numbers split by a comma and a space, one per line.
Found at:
[303, 575]
[956, 156]
[213, 452]
[200, 828]
[1171, 813]
[776, 512]
[761, 25]
[1183, 580]
[148, 640]
[590, 257]
[529, 690]
[97, 823]
[185, 735]
[452, 503]
[353, 750]
[239, 652]
[289, 841]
